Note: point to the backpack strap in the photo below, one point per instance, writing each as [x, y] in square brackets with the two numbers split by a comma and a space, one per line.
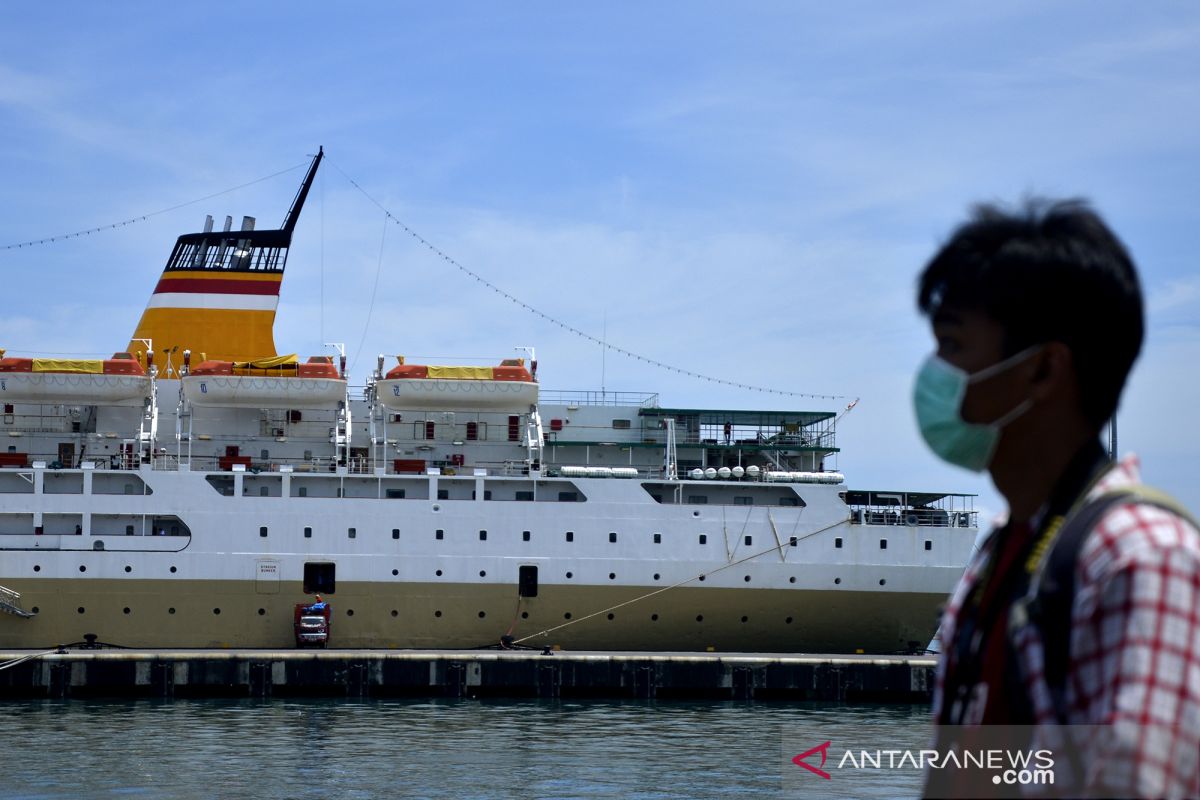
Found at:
[1047, 605]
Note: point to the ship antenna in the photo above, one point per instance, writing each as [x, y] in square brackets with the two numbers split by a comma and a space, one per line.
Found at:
[289, 222]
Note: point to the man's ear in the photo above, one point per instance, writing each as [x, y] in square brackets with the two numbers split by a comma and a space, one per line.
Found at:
[1054, 370]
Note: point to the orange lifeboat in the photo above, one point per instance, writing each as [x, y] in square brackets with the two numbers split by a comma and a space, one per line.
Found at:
[278, 382]
[507, 387]
[86, 382]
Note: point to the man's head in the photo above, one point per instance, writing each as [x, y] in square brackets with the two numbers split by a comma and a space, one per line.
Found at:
[1050, 276]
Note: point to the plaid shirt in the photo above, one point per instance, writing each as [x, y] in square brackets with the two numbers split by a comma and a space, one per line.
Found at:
[1134, 650]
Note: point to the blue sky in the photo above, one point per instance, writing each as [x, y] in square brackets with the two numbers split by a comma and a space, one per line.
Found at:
[746, 191]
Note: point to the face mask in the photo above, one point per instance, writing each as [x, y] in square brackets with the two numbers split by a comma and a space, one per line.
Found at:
[937, 399]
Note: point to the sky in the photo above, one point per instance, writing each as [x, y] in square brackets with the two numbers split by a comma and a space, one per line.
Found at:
[746, 191]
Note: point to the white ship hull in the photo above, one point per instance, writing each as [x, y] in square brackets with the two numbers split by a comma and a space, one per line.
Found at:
[457, 395]
[252, 391]
[56, 387]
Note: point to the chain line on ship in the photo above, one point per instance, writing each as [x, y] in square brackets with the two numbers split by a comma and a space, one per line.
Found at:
[566, 326]
[143, 217]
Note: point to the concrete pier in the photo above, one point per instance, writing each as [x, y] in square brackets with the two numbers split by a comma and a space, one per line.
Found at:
[464, 673]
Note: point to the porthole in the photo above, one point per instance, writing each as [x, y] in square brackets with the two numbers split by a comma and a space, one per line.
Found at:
[37, 567]
[35, 609]
[483, 573]
[216, 611]
[567, 615]
[395, 572]
[701, 577]
[524, 615]
[438, 573]
[695, 513]
[882, 582]
[80, 609]
[570, 575]
[125, 610]
[395, 613]
[437, 613]
[173, 569]
[349, 612]
[656, 576]
[654, 617]
[792, 579]
[128, 568]
[747, 579]
[482, 614]
[82, 568]
[611, 617]
[612, 576]
[699, 618]
[262, 612]
[436, 507]
[745, 619]
[837, 580]
[170, 611]
[787, 621]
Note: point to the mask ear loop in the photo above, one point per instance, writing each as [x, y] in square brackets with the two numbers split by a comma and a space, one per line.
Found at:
[1001, 366]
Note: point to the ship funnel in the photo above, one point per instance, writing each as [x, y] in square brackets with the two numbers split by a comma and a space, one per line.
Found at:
[219, 291]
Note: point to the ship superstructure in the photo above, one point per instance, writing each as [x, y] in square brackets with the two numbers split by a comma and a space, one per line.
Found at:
[192, 489]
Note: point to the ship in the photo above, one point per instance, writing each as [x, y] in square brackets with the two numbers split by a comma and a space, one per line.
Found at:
[194, 488]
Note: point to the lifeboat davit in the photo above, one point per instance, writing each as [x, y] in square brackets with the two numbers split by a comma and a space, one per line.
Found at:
[278, 382]
[85, 382]
[508, 387]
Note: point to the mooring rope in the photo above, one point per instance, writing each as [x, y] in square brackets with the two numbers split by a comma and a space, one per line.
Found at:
[696, 577]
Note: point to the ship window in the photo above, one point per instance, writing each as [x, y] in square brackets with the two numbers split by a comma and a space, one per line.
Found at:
[883, 544]
[430, 430]
[129, 530]
[395, 494]
[658, 538]
[263, 491]
[749, 540]
[395, 533]
[308, 533]
[319, 577]
[568, 497]
[697, 499]
[352, 532]
[265, 454]
[703, 538]
[792, 541]
[439, 534]
[570, 536]
[308, 455]
[525, 536]
[129, 488]
[928, 545]
[483, 536]
[526, 496]
[621, 424]
[743, 501]
[302, 491]
[837, 542]
[790, 501]
[263, 531]
[472, 431]
[514, 428]
[443, 494]
[612, 536]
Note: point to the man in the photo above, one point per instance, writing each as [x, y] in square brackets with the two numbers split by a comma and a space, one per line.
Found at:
[1084, 608]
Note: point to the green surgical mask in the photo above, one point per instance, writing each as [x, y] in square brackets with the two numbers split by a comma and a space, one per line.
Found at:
[937, 399]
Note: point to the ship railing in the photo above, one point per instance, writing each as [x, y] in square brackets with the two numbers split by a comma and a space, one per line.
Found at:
[560, 397]
[913, 517]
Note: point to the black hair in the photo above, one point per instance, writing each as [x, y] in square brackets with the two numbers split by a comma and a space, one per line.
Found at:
[1048, 271]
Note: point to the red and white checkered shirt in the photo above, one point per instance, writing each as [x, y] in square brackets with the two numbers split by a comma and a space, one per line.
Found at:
[1134, 650]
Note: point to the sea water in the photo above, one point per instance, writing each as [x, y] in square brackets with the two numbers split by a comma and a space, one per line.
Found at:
[436, 749]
